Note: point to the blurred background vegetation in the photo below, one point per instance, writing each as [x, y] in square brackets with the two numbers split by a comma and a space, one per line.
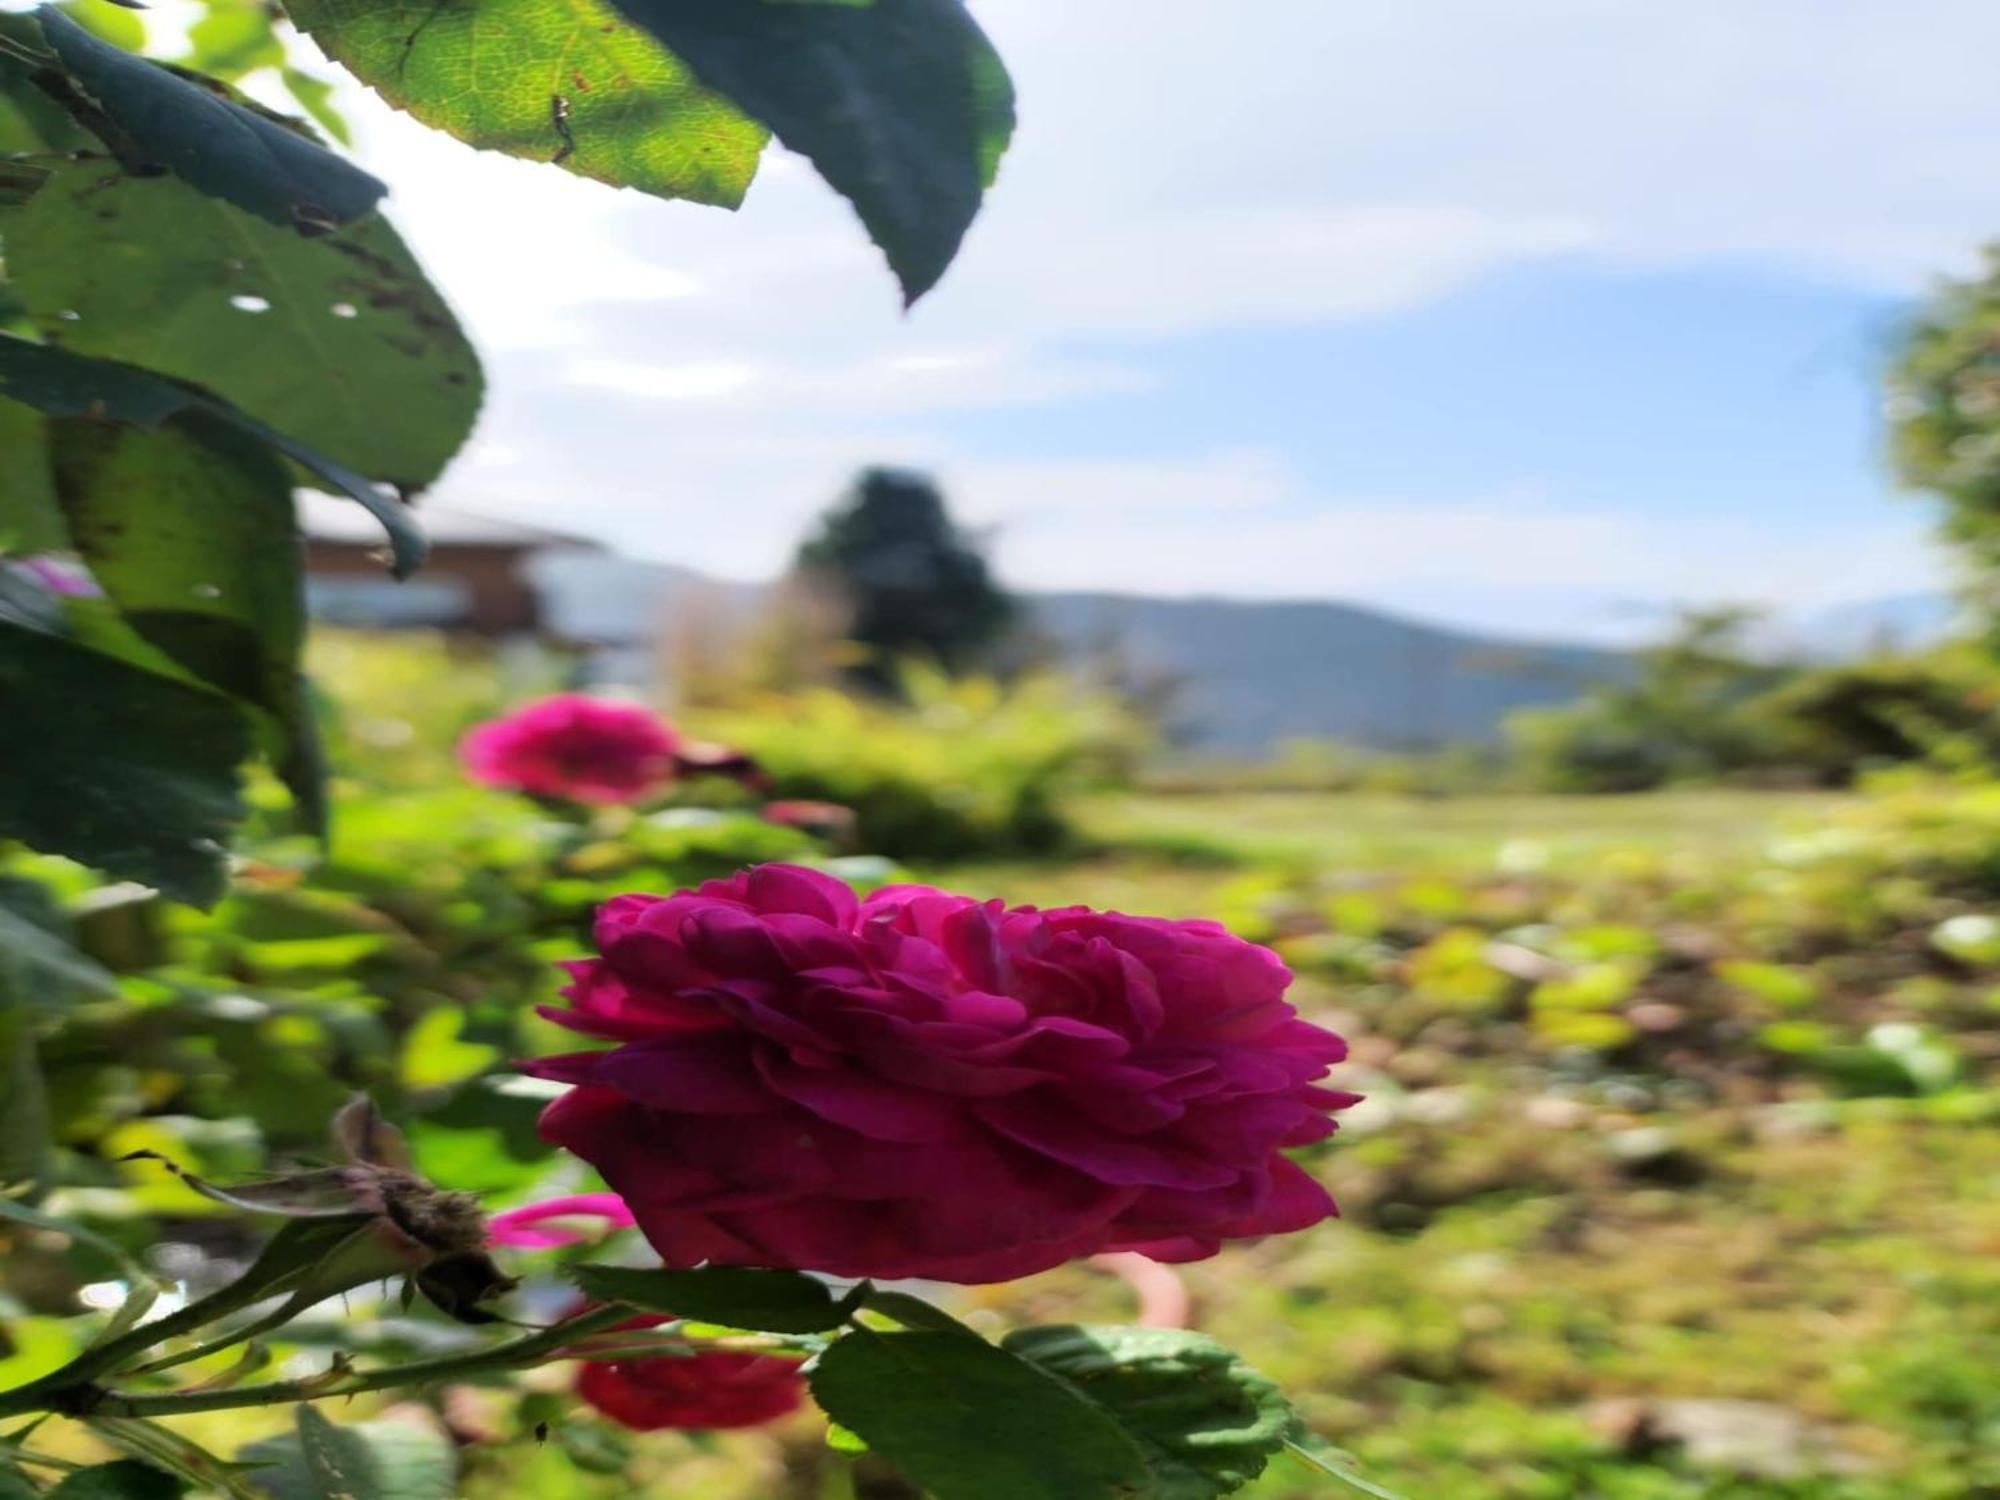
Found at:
[1678, 1012]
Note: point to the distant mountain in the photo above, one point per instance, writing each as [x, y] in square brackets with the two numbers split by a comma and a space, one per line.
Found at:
[1252, 674]
[1906, 622]
[1247, 675]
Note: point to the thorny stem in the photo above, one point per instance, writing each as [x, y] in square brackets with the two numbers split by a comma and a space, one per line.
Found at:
[88, 1400]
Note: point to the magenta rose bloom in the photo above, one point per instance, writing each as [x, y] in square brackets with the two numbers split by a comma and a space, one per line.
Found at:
[575, 746]
[922, 1084]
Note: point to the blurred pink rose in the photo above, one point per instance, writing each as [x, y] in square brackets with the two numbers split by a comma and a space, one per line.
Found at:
[528, 1228]
[921, 1084]
[575, 746]
[703, 1389]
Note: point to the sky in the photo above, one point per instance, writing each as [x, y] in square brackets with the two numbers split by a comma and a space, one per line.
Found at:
[1542, 318]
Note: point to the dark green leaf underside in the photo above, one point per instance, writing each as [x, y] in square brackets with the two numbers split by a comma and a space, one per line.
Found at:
[902, 105]
[216, 144]
[767, 1301]
[116, 767]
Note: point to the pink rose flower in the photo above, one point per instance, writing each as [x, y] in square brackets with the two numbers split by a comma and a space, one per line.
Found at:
[922, 1084]
[575, 746]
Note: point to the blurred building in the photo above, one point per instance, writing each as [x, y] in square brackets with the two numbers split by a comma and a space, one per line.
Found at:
[479, 578]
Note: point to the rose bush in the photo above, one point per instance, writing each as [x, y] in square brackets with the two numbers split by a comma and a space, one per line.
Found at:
[575, 746]
[923, 1084]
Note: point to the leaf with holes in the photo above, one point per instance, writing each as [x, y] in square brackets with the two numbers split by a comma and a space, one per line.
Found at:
[339, 341]
[197, 130]
[1206, 1421]
[902, 105]
[564, 81]
[116, 767]
[968, 1421]
[64, 384]
[189, 530]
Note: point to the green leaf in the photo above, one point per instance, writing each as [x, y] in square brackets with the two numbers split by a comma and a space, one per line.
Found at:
[902, 105]
[38, 958]
[732, 1296]
[968, 1421]
[1206, 1421]
[339, 342]
[234, 37]
[26, 1135]
[64, 384]
[211, 141]
[127, 1479]
[189, 529]
[117, 767]
[564, 81]
[366, 1461]
[29, 520]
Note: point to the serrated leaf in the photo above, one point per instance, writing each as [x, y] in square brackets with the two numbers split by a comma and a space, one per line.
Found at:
[730, 1296]
[116, 767]
[365, 1461]
[127, 1479]
[340, 342]
[968, 1421]
[209, 140]
[902, 105]
[563, 81]
[1206, 1421]
[64, 384]
[189, 530]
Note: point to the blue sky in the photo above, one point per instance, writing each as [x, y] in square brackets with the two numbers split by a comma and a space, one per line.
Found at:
[1540, 317]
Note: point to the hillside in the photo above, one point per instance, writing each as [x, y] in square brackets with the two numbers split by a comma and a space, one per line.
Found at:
[1252, 674]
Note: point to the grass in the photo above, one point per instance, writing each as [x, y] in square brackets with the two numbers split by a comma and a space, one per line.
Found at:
[1170, 854]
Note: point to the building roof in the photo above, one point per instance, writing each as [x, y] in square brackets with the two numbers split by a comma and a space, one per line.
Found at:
[326, 518]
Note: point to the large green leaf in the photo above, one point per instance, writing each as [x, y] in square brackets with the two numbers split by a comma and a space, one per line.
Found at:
[364, 1461]
[565, 81]
[768, 1301]
[65, 384]
[339, 342]
[1206, 1421]
[127, 1479]
[29, 521]
[968, 1421]
[225, 148]
[189, 529]
[902, 105]
[117, 767]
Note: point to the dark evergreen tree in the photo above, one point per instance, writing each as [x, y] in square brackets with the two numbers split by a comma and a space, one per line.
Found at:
[910, 581]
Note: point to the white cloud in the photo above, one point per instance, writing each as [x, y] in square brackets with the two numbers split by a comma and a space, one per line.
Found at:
[694, 384]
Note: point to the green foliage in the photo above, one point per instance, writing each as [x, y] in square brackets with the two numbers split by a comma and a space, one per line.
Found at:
[358, 1461]
[902, 105]
[127, 1479]
[1689, 714]
[571, 83]
[117, 766]
[768, 1301]
[1945, 406]
[907, 581]
[336, 340]
[961, 768]
[968, 1421]
[231, 150]
[1206, 1421]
